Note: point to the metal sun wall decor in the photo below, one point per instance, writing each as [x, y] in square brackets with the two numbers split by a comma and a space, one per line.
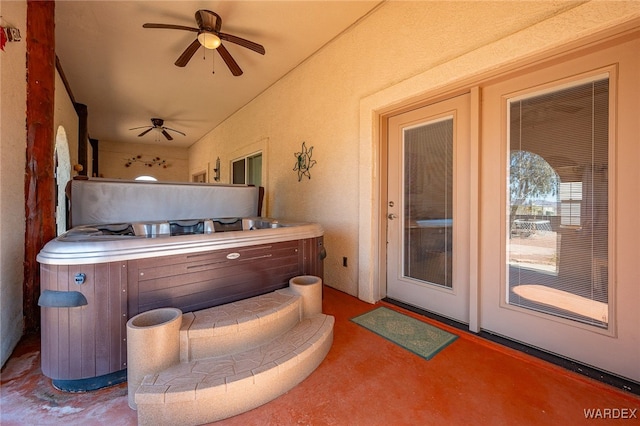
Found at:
[155, 161]
[304, 161]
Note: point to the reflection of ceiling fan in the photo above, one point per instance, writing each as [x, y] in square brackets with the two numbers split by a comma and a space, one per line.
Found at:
[158, 125]
[209, 36]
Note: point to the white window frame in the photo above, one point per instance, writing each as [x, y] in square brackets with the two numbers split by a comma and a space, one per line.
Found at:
[246, 160]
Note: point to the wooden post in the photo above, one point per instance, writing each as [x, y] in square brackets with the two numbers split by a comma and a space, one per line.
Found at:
[83, 136]
[39, 182]
[95, 157]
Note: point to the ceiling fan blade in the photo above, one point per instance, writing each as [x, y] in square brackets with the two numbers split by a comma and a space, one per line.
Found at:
[167, 135]
[228, 59]
[242, 42]
[188, 53]
[208, 20]
[145, 132]
[136, 128]
[174, 130]
[170, 27]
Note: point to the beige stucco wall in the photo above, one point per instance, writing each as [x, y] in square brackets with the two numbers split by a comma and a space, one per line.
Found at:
[113, 158]
[13, 93]
[65, 135]
[12, 160]
[66, 116]
[330, 100]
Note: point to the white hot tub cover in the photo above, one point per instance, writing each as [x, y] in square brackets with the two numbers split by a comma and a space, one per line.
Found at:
[100, 201]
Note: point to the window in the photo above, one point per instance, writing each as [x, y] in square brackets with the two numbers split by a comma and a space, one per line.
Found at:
[239, 171]
[428, 193]
[146, 178]
[200, 177]
[557, 244]
[247, 170]
[62, 175]
[570, 199]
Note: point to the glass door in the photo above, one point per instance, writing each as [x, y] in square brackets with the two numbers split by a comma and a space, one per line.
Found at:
[557, 236]
[427, 256]
[558, 185]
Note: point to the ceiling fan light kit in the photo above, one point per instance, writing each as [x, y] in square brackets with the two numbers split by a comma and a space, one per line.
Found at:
[209, 35]
[209, 40]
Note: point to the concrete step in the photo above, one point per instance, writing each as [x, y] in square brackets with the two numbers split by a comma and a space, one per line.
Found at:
[215, 388]
[238, 326]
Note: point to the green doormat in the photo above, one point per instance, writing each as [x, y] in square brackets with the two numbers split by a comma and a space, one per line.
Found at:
[416, 336]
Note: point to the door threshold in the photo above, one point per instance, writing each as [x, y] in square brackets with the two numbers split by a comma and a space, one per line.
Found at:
[568, 364]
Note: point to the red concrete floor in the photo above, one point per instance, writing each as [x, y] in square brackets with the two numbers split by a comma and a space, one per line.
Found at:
[365, 380]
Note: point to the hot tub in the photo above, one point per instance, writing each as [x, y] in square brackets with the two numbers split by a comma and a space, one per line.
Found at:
[97, 276]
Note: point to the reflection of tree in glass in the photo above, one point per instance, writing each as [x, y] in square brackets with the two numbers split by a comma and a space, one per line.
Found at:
[530, 177]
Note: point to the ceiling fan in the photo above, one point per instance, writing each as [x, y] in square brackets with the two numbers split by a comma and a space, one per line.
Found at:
[209, 36]
[158, 125]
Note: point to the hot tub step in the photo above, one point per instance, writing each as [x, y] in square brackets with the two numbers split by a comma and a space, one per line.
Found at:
[212, 389]
[238, 326]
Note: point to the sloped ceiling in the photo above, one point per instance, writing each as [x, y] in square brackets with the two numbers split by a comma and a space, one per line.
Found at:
[125, 73]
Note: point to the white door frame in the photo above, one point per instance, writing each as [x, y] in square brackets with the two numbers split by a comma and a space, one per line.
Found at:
[433, 84]
[373, 110]
[449, 302]
[614, 349]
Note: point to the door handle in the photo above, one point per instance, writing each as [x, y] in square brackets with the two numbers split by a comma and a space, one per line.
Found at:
[391, 216]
